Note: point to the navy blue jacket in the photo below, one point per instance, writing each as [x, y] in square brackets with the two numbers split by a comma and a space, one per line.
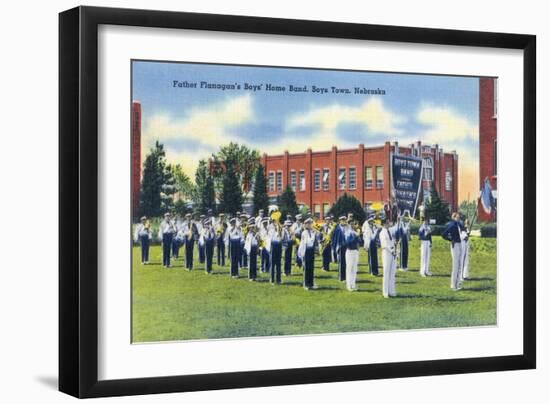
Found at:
[424, 235]
[452, 232]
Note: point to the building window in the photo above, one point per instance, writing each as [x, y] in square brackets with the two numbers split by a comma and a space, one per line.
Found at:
[448, 181]
[271, 181]
[326, 179]
[367, 206]
[495, 97]
[342, 178]
[495, 157]
[428, 169]
[368, 177]
[302, 180]
[352, 178]
[279, 180]
[317, 180]
[326, 208]
[379, 177]
[317, 210]
[293, 180]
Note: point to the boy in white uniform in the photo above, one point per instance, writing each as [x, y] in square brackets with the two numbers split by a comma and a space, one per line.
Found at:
[425, 236]
[387, 244]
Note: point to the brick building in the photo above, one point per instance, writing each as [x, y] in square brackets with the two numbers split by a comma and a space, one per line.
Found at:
[319, 178]
[136, 156]
[487, 138]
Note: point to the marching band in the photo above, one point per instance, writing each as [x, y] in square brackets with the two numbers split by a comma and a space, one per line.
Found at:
[248, 239]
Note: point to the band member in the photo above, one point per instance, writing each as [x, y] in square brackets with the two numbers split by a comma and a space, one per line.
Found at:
[266, 245]
[244, 225]
[235, 235]
[452, 233]
[221, 231]
[208, 236]
[307, 251]
[179, 239]
[387, 243]
[276, 238]
[339, 242]
[370, 242]
[425, 236]
[351, 237]
[297, 229]
[288, 245]
[328, 229]
[176, 241]
[144, 235]
[405, 237]
[251, 247]
[465, 235]
[166, 234]
[191, 231]
[259, 218]
[199, 225]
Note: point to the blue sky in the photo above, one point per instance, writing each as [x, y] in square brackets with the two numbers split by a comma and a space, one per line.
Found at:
[193, 122]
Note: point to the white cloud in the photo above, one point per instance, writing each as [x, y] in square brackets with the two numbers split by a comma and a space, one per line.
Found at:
[372, 114]
[206, 125]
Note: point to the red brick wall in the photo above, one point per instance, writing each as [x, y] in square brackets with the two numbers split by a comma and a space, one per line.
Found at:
[136, 156]
[359, 158]
[487, 138]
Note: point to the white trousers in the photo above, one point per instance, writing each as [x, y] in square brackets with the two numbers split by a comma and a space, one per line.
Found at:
[390, 266]
[352, 259]
[456, 274]
[425, 256]
[465, 259]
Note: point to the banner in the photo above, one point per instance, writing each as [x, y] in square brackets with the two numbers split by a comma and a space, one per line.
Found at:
[406, 180]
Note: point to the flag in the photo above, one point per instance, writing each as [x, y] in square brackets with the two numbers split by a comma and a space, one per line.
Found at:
[487, 199]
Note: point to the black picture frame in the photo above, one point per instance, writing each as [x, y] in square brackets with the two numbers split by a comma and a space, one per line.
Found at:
[78, 196]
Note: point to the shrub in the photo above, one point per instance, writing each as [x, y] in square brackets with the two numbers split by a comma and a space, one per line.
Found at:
[489, 230]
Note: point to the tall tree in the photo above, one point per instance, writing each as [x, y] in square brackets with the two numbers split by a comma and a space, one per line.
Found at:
[260, 199]
[208, 197]
[348, 204]
[287, 203]
[184, 186]
[437, 208]
[231, 197]
[205, 196]
[245, 162]
[168, 189]
[153, 182]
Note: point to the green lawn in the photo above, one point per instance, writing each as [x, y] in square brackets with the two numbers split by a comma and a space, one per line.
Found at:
[174, 304]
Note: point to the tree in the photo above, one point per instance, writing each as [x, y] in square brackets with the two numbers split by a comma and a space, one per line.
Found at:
[468, 209]
[436, 208]
[348, 204]
[168, 189]
[260, 199]
[153, 190]
[245, 163]
[231, 197]
[205, 196]
[287, 203]
[184, 186]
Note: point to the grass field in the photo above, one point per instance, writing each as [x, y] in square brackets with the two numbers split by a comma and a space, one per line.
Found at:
[174, 304]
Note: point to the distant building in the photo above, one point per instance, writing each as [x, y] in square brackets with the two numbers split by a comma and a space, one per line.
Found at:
[320, 178]
[136, 156]
[488, 92]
